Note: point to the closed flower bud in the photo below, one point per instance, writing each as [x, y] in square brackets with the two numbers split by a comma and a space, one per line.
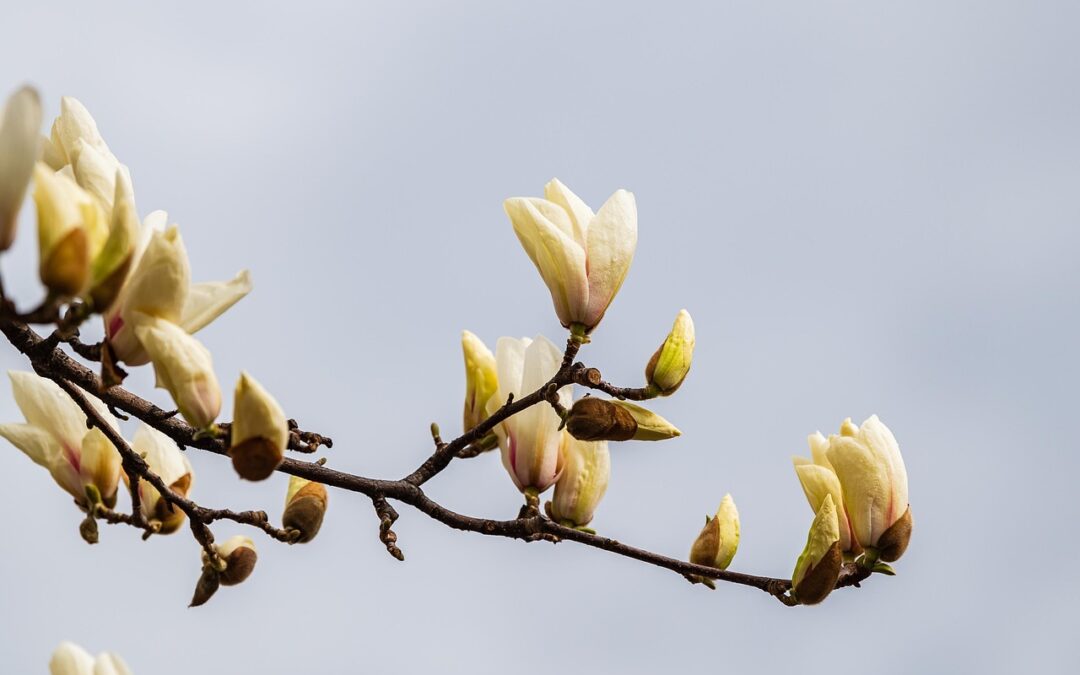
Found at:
[530, 441]
[260, 432]
[818, 480]
[669, 365]
[238, 554]
[71, 231]
[481, 379]
[183, 367]
[718, 541]
[55, 436]
[71, 659]
[305, 506]
[584, 480]
[20, 121]
[873, 479]
[596, 419]
[582, 257]
[170, 464]
[110, 268]
[818, 567]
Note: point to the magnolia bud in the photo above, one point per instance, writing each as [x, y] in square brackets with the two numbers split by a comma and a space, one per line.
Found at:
[715, 546]
[110, 268]
[894, 541]
[183, 367]
[305, 506]
[20, 121]
[669, 365]
[481, 379]
[581, 486]
[238, 554]
[71, 229]
[260, 431]
[208, 584]
[818, 567]
[596, 419]
[167, 461]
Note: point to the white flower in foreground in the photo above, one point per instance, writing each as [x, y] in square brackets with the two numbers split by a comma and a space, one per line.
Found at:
[530, 441]
[71, 659]
[583, 257]
[20, 121]
[55, 437]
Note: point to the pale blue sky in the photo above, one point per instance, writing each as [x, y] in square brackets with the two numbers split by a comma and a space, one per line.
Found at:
[867, 207]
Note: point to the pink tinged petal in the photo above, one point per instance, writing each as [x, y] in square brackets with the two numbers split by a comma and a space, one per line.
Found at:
[612, 240]
[884, 446]
[20, 122]
[544, 230]
[209, 300]
[865, 484]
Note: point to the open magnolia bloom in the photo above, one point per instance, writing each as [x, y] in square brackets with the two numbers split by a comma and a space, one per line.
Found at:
[20, 122]
[530, 441]
[818, 482]
[172, 466]
[874, 483]
[583, 257]
[160, 286]
[584, 480]
[55, 436]
[71, 659]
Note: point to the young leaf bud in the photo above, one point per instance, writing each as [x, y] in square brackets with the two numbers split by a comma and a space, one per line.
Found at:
[818, 567]
[715, 546]
[260, 431]
[305, 506]
[669, 365]
[596, 419]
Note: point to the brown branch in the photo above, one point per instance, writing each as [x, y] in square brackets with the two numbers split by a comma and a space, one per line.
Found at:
[531, 526]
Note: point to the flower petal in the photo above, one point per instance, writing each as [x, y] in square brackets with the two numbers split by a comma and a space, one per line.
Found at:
[612, 240]
[20, 122]
[71, 659]
[209, 300]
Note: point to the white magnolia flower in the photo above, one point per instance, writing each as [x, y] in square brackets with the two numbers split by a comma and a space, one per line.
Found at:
[71, 659]
[20, 121]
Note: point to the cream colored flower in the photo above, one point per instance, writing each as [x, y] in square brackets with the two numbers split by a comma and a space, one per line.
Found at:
[183, 367]
[818, 481]
[171, 465]
[481, 379]
[531, 440]
[20, 122]
[583, 257]
[55, 437]
[584, 480]
[71, 659]
[72, 230]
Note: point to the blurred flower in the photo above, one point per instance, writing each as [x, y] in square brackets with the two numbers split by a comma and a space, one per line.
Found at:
[584, 480]
[597, 419]
[718, 541]
[481, 379]
[171, 465]
[583, 258]
[305, 507]
[110, 268]
[260, 432]
[72, 229]
[818, 567]
[671, 362]
[55, 436]
[531, 440]
[71, 659]
[183, 367]
[20, 121]
[874, 482]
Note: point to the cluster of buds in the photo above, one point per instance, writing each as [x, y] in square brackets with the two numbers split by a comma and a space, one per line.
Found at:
[71, 659]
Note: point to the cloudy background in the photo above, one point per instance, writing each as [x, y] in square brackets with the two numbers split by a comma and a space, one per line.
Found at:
[867, 208]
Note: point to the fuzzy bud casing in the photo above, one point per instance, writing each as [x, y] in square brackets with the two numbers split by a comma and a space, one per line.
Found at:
[596, 419]
[260, 431]
[718, 541]
[305, 507]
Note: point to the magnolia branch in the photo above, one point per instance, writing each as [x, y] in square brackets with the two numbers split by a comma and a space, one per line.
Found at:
[49, 360]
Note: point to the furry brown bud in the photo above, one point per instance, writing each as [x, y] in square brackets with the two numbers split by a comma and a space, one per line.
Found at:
[894, 541]
[305, 506]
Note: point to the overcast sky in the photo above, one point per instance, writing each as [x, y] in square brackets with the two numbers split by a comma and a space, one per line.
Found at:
[867, 207]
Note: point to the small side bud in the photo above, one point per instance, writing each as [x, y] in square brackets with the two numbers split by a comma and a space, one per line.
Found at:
[596, 419]
[260, 431]
[718, 541]
[481, 379]
[671, 362]
[894, 541]
[88, 530]
[238, 555]
[818, 567]
[305, 506]
[208, 584]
